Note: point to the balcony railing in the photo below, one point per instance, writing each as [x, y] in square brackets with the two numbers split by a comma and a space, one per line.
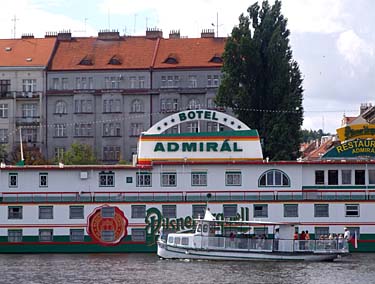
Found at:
[28, 121]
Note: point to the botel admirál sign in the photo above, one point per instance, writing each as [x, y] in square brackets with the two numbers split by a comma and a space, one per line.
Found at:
[239, 143]
[352, 149]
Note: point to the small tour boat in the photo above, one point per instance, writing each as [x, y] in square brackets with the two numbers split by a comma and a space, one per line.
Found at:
[211, 243]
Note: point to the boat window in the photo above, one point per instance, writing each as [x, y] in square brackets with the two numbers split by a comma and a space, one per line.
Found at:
[199, 229]
[185, 241]
[273, 178]
[177, 240]
[170, 240]
[205, 228]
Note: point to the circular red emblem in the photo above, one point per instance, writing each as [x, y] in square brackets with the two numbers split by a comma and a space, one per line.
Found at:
[109, 228]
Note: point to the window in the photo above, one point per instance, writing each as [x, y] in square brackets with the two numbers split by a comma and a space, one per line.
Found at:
[82, 129]
[43, 180]
[209, 80]
[3, 110]
[15, 212]
[144, 179]
[141, 82]
[193, 81]
[260, 210]
[3, 135]
[4, 87]
[108, 212]
[77, 235]
[13, 180]
[111, 105]
[274, 178]
[112, 82]
[60, 130]
[138, 211]
[212, 127]
[233, 178]
[45, 212]
[351, 210]
[76, 212]
[108, 236]
[112, 129]
[346, 176]
[198, 211]
[29, 110]
[371, 176]
[55, 83]
[138, 235]
[168, 179]
[136, 129]
[29, 134]
[230, 210]
[137, 106]
[64, 83]
[59, 153]
[168, 105]
[199, 178]
[28, 85]
[83, 106]
[111, 153]
[211, 104]
[133, 82]
[321, 231]
[15, 236]
[319, 177]
[355, 231]
[333, 177]
[215, 81]
[60, 108]
[169, 211]
[107, 179]
[194, 104]
[45, 235]
[290, 210]
[321, 210]
[193, 127]
[359, 177]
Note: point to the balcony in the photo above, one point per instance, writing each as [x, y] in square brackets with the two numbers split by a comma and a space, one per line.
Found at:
[6, 95]
[28, 121]
[27, 95]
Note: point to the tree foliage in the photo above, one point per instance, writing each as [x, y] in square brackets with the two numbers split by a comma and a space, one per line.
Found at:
[3, 153]
[79, 154]
[309, 135]
[261, 81]
[31, 155]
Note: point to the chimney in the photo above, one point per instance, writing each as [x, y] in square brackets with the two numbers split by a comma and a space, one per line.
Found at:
[50, 34]
[24, 36]
[364, 107]
[64, 35]
[208, 33]
[108, 35]
[174, 34]
[153, 33]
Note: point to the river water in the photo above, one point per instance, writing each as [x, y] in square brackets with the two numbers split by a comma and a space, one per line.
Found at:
[148, 268]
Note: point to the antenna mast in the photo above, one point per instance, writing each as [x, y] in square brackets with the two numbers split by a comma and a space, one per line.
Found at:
[14, 19]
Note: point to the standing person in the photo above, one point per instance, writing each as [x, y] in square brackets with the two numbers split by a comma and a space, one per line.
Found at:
[295, 238]
[277, 237]
[302, 241]
[307, 238]
[346, 234]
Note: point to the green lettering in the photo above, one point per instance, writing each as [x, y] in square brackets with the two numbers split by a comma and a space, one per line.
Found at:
[182, 116]
[225, 147]
[207, 115]
[159, 147]
[201, 146]
[199, 112]
[235, 147]
[173, 147]
[214, 116]
[191, 114]
[189, 147]
[211, 146]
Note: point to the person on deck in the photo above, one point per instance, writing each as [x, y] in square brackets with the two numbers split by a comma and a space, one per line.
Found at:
[346, 234]
[302, 240]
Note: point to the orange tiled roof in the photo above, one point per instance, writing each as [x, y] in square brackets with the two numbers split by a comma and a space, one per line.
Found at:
[26, 51]
[190, 52]
[129, 53]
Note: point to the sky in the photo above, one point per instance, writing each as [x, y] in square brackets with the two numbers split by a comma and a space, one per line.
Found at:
[333, 41]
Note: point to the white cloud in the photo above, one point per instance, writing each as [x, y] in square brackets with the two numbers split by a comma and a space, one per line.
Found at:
[354, 49]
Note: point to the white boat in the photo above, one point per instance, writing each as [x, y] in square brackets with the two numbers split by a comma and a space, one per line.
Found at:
[207, 242]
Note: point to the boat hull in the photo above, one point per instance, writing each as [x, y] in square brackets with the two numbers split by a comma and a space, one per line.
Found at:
[170, 252]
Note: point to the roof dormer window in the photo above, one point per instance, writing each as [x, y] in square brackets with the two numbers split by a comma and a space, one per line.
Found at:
[115, 60]
[171, 59]
[87, 60]
[216, 59]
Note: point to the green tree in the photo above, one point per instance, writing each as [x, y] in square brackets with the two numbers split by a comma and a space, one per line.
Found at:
[261, 81]
[3, 153]
[79, 154]
[308, 135]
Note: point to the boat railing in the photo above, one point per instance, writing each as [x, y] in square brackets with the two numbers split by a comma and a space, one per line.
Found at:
[269, 245]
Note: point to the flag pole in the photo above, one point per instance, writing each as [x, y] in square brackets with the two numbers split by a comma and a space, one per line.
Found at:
[21, 148]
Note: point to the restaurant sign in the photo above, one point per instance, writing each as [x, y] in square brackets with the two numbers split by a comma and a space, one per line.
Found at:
[352, 149]
[357, 131]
